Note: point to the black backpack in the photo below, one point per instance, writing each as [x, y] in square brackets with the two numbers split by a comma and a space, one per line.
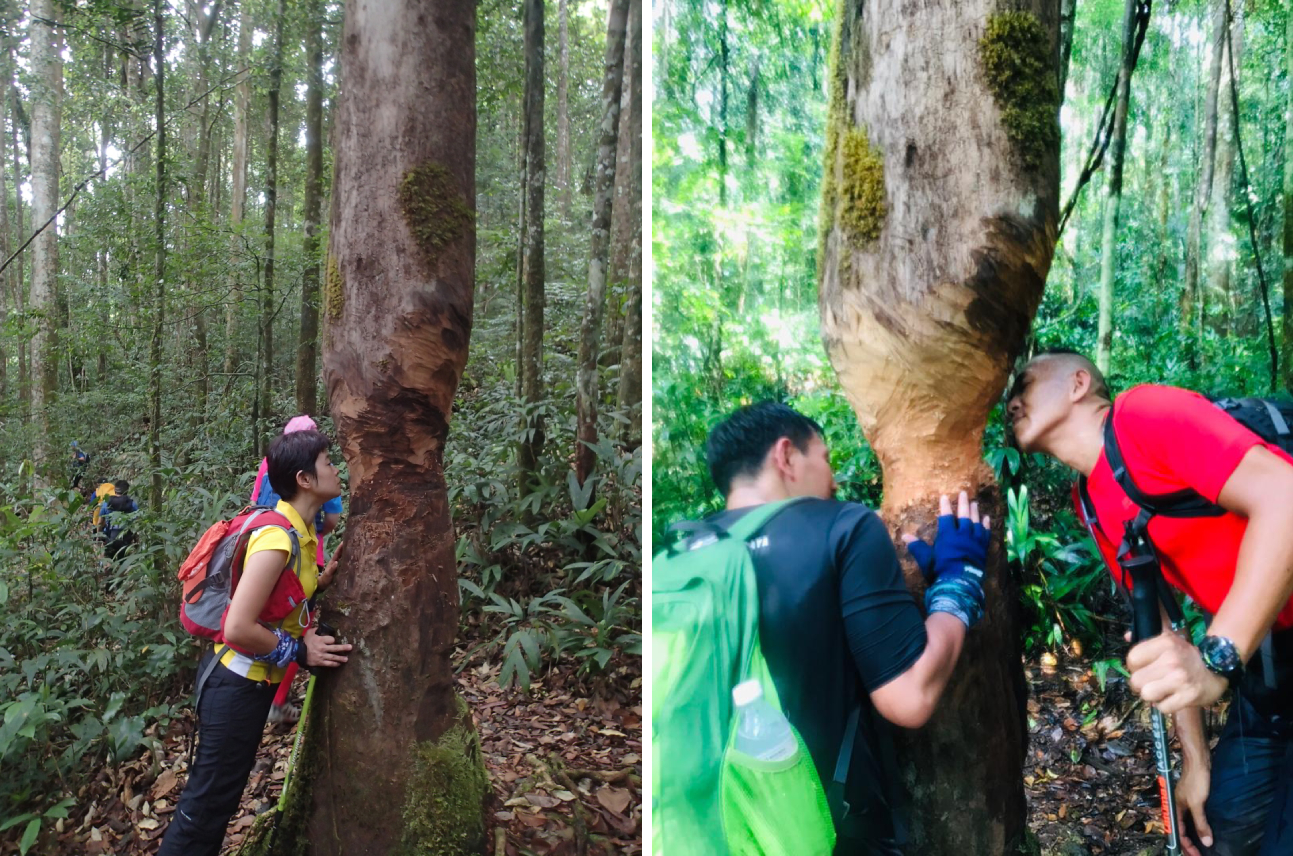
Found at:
[116, 525]
[1268, 418]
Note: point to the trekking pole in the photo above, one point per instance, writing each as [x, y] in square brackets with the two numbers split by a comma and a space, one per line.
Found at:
[1147, 623]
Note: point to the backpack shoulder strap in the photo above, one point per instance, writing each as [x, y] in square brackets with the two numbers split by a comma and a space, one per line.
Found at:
[1179, 503]
[756, 518]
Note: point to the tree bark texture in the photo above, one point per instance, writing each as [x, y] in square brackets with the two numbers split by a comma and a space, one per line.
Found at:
[626, 224]
[590, 330]
[307, 349]
[1117, 155]
[1287, 356]
[1068, 24]
[46, 113]
[532, 266]
[238, 197]
[271, 209]
[563, 109]
[159, 270]
[1191, 317]
[397, 317]
[20, 280]
[939, 221]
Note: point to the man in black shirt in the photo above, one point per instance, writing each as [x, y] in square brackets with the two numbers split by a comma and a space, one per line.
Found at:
[838, 627]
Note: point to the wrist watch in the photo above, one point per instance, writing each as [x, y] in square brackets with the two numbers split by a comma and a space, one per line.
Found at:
[1222, 657]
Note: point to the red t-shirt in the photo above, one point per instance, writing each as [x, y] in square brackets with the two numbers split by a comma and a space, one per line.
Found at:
[1171, 439]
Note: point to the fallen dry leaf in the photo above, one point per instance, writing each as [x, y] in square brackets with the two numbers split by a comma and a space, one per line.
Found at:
[614, 799]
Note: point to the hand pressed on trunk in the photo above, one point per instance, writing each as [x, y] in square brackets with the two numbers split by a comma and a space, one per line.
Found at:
[323, 650]
[954, 564]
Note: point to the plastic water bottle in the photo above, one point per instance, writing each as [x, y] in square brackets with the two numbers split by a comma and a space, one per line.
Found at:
[762, 731]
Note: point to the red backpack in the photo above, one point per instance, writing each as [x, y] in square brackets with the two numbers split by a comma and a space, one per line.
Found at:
[210, 574]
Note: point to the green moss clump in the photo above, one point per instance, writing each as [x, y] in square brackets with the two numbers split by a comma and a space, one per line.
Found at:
[433, 209]
[1019, 68]
[333, 290]
[862, 206]
[835, 123]
[445, 799]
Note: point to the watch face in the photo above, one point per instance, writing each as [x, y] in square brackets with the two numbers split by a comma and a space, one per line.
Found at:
[1219, 655]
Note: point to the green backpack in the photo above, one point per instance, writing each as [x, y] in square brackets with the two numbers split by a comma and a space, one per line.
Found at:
[707, 797]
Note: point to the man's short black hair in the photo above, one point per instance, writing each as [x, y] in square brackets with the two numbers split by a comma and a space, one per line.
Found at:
[122, 487]
[290, 454]
[1100, 386]
[738, 445]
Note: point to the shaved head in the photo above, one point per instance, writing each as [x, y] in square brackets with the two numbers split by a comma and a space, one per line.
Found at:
[1065, 362]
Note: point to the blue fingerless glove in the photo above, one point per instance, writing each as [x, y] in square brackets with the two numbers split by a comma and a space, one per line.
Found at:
[954, 567]
[284, 652]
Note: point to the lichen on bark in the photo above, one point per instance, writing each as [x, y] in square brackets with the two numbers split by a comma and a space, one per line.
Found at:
[862, 206]
[444, 800]
[333, 290]
[1015, 52]
[433, 209]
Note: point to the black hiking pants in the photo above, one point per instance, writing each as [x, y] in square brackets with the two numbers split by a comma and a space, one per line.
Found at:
[231, 717]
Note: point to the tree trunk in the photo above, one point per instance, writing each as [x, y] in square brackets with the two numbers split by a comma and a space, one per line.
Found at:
[19, 277]
[626, 226]
[1068, 24]
[271, 206]
[46, 111]
[159, 272]
[1191, 299]
[724, 56]
[1220, 243]
[238, 200]
[626, 205]
[307, 351]
[1288, 204]
[403, 771]
[563, 110]
[923, 333]
[532, 267]
[590, 329]
[197, 197]
[1117, 155]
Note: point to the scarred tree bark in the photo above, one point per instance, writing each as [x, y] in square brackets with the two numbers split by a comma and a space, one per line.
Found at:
[939, 214]
[307, 347]
[591, 328]
[396, 747]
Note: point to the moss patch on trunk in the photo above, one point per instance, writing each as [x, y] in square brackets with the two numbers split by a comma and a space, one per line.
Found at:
[445, 799]
[1015, 52]
[334, 297]
[862, 206]
[433, 209]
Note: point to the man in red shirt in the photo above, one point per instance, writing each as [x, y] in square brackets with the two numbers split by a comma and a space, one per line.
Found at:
[1237, 566]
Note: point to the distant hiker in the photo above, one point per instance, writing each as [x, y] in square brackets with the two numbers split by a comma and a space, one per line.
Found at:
[101, 493]
[1144, 460]
[79, 462]
[262, 493]
[847, 647]
[237, 687]
[115, 515]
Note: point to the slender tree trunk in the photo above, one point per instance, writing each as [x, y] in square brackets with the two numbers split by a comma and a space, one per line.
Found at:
[1117, 154]
[532, 267]
[397, 319]
[586, 393]
[46, 111]
[1220, 243]
[1191, 298]
[271, 206]
[238, 200]
[626, 226]
[19, 274]
[563, 110]
[159, 272]
[723, 71]
[922, 334]
[8, 289]
[1068, 24]
[197, 198]
[307, 351]
[1288, 204]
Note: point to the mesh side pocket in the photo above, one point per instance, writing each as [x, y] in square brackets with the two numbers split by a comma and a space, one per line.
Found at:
[775, 808]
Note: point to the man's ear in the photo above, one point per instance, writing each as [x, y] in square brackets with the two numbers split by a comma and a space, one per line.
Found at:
[780, 455]
[1080, 384]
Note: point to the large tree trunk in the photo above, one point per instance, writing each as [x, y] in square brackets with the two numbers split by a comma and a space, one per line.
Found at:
[206, 21]
[1117, 154]
[271, 207]
[307, 349]
[238, 199]
[532, 267]
[1220, 243]
[159, 271]
[563, 109]
[402, 767]
[943, 126]
[591, 327]
[19, 276]
[1288, 205]
[626, 225]
[46, 104]
[1191, 298]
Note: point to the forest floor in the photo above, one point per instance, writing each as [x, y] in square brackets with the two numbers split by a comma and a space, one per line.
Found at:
[564, 761]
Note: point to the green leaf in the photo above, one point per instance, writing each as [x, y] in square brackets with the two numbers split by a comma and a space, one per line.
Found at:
[29, 837]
